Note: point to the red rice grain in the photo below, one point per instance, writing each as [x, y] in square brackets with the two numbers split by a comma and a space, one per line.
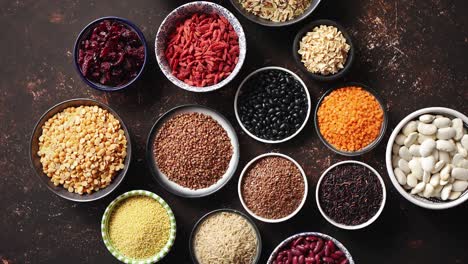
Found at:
[203, 50]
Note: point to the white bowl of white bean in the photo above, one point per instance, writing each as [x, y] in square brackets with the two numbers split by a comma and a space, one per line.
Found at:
[427, 158]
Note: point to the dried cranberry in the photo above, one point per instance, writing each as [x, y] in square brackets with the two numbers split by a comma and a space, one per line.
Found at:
[111, 54]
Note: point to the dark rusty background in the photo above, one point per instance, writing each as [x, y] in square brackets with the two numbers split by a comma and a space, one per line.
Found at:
[413, 52]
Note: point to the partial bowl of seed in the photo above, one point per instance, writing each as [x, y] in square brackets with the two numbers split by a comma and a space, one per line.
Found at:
[273, 14]
[350, 195]
[427, 158]
[238, 239]
[350, 119]
[192, 151]
[147, 240]
[80, 149]
[310, 247]
[272, 105]
[272, 187]
[324, 50]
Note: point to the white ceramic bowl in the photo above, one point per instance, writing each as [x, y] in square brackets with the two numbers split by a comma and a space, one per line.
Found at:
[266, 140]
[417, 200]
[368, 222]
[169, 24]
[246, 168]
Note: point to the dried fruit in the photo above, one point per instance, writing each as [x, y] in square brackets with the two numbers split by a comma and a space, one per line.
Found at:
[112, 54]
[203, 50]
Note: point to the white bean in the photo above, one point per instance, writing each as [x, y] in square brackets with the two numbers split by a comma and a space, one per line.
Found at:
[426, 176]
[427, 129]
[427, 147]
[411, 139]
[427, 118]
[457, 124]
[400, 176]
[444, 156]
[435, 154]
[442, 122]
[461, 150]
[403, 165]
[416, 169]
[460, 174]
[428, 163]
[445, 172]
[404, 153]
[418, 188]
[435, 179]
[395, 160]
[395, 148]
[445, 133]
[443, 182]
[411, 180]
[459, 186]
[400, 139]
[464, 164]
[457, 160]
[438, 166]
[438, 189]
[428, 190]
[422, 138]
[445, 193]
[445, 145]
[414, 150]
[464, 141]
[411, 127]
[454, 195]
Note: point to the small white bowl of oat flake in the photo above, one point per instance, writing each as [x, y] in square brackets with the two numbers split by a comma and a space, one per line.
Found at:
[427, 158]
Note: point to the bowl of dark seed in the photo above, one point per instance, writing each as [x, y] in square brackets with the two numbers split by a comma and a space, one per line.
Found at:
[350, 195]
[272, 187]
[272, 105]
[192, 151]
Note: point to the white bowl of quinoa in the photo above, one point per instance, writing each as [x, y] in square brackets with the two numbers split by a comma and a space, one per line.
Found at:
[275, 13]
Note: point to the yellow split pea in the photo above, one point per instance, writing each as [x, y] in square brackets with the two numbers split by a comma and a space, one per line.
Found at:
[139, 227]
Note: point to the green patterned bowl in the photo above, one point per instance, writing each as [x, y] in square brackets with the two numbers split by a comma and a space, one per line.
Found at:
[105, 234]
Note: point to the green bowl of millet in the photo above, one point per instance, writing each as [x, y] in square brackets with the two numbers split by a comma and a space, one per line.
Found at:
[110, 245]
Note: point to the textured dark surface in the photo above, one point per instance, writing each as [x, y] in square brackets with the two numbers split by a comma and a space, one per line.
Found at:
[412, 52]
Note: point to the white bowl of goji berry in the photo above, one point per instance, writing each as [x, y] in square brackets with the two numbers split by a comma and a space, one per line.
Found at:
[200, 46]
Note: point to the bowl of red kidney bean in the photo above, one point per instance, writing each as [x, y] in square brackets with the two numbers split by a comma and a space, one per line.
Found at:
[310, 248]
[110, 53]
[200, 46]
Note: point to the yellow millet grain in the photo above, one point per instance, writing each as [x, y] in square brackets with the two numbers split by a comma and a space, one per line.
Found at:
[139, 227]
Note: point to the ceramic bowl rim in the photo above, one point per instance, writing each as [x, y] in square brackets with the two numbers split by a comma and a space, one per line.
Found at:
[253, 161]
[388, 159]
[373, 218]
[309, 102]
[101, 87]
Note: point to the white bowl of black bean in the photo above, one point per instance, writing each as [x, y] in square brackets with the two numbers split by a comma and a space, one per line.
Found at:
[272, 105]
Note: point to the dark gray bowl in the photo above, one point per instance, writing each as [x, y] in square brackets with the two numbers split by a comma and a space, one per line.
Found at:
[203, 218]
[268, 23]
[37, 166]
[368, 147]
[317, 76]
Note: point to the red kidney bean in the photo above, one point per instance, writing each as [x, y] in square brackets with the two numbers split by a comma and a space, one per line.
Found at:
[317, 259]
[310, 261]
[311, 254]
[328, 260]
[344, 261]
[289, 257]
[300, 260]
[301, 248]
[327, 250]
[297, 241]
[296, 252]
[331, 245]
[337, 255]
[311, 238]
[319, 246]
[294, 261]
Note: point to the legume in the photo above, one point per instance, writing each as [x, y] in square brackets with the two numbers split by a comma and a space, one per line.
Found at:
[350, 118]
[276, 10]
[350, 194]
[272, 104]
[82, 148]
[225, 238]
[139, 227]
[273, 187]
[193, 150]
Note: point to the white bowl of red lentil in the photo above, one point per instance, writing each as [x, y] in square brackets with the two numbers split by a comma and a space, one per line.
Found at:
[261, 197]
[173, 186]
[110, 245]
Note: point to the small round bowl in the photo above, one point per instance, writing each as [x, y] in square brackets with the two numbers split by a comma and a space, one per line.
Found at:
[298, 57]
[369, 147]
[84, 33]
[173, 187]
[236, 111]
[203, 218]
[36, 160]
[323, 236]
[415, 199]
[368, 222]
[105, 228]
[247, 167]
[167, 27]
[269, 23]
